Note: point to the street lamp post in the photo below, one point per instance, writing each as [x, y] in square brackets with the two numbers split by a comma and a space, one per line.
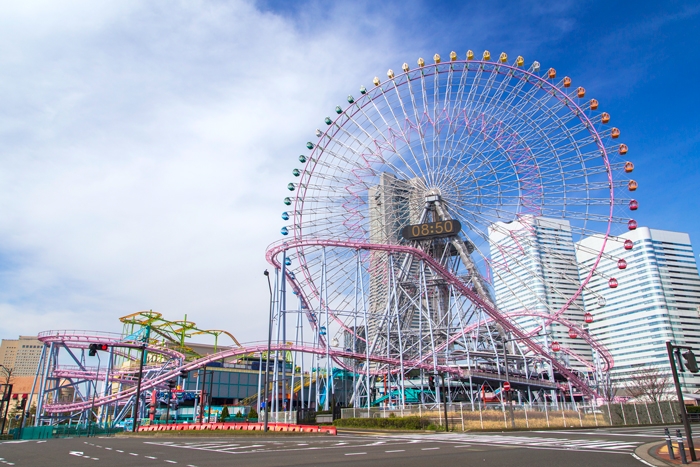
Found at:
[94, 392]
[267, 360]
[138, 390]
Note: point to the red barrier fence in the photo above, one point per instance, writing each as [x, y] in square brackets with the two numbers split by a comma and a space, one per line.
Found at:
[331, 430]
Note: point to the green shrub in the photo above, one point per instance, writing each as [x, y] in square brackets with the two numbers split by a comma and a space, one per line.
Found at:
[396, 423]
[253, 413]
[224, 414]
[692, 408]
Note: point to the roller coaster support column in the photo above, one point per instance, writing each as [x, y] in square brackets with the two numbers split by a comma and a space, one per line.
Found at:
[267, 360]
[47, 361]
[505, 363]
[508, 393]
[42, 360]
[138, 389]
[104, 410]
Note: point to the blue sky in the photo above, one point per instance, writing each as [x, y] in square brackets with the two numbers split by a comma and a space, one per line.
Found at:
[145, 146]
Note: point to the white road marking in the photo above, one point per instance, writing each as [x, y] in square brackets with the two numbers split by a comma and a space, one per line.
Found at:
[150, 457]
[397, 450]
[133, 454]
[109, 449]
[239, 447]
[429, 449]
[119, 450]
[355, 453]
[602, 433]
[171, 462]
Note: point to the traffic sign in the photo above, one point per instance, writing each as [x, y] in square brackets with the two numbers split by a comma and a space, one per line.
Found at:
[506, 386]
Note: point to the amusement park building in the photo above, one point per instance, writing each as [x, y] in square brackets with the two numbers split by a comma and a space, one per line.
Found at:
[657, 300]
[534, 270]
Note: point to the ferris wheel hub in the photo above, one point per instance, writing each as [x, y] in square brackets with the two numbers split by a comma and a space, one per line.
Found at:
[434, 194]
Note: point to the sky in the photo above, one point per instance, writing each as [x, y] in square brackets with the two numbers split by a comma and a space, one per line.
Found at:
[145, 147]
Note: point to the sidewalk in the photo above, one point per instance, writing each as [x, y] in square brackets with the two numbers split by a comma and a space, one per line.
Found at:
[661, 452]
[656, 454]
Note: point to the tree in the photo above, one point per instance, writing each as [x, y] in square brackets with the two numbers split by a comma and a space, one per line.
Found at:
[608, 390]
[6, 375]
[253, 413]
[650, 383]
[224, 414]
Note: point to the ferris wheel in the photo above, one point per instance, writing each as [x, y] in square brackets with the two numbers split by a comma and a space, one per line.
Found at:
[445, 208]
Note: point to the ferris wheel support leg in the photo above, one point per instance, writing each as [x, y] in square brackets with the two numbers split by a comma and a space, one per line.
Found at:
[401, 381]
[424, 291]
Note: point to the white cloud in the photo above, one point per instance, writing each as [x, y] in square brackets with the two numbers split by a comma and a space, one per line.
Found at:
[145, 147]
[145, 151]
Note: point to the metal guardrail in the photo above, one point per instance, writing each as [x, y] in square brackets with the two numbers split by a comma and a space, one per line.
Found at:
[62, 431]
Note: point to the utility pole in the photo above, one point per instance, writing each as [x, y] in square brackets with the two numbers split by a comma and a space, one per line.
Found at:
[267, 360]
[508, 396]
[444, 397]
[201, 395]
[684, 415]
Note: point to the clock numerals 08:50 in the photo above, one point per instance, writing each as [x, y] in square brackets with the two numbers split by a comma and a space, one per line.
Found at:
[431, 229]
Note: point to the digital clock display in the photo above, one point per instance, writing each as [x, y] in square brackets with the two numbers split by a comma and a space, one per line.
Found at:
[431, 230]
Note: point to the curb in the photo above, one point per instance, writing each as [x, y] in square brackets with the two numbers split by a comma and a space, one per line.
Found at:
[643, 454]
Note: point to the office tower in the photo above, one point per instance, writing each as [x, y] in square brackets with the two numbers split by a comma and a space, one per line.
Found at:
[656, 300]
[534, 269]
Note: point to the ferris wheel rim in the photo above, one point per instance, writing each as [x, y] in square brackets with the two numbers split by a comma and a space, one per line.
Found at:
[428, 70]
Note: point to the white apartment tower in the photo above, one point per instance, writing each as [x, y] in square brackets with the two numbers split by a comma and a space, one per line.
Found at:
[656, 300]
[534, 269]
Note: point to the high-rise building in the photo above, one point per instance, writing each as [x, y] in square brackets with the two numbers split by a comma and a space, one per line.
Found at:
[8, 352]
[21, 355]
[534, 269]
[656, 300]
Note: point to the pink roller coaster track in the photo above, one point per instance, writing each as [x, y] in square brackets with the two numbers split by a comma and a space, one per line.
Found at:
[451, 279]
[238, 351]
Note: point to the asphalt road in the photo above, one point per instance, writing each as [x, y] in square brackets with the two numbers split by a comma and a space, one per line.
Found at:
[600, 447]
